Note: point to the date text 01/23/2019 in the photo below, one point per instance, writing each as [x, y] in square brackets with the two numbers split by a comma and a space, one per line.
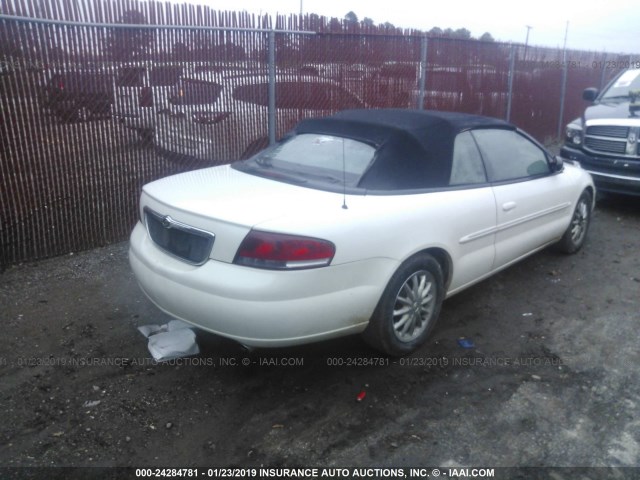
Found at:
[300, 473]
[596, 64]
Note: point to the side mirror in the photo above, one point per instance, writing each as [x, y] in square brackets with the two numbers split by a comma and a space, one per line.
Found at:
[557, 163]
[590, 94]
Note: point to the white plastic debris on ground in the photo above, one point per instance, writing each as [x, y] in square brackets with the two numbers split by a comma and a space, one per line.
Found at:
[175, 339]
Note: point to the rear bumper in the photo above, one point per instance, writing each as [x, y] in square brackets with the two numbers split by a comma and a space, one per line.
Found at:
[262, 308]
[181, 147]
[605, 178]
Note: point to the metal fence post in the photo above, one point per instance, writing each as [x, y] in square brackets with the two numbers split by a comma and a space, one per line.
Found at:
[562, 93]
[272, 88]
[423, 72]
[512, 63]
[602, 73]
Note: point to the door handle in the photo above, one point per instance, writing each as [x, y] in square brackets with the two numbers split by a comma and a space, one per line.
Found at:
[508, 206]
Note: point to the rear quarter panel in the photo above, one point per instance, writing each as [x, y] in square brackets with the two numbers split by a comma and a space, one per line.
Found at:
[399, 226]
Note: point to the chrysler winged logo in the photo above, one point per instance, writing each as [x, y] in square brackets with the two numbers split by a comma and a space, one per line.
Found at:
[167, 221]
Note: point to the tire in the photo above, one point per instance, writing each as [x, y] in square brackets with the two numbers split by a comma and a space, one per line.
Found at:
[409, 307]
[576, 232]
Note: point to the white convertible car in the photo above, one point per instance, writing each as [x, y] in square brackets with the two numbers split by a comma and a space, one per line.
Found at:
[362, 222]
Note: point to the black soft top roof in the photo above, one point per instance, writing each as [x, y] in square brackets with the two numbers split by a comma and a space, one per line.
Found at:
[415, 147]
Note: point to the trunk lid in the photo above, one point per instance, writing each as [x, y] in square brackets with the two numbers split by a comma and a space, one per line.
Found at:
[228, 203]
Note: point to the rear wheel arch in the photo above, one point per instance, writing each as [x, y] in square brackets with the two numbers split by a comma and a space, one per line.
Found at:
[441, 256]
[410, 303]
[445, 261]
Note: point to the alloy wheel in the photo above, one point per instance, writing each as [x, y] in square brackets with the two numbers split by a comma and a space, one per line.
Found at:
[579, 222]
[414, 306]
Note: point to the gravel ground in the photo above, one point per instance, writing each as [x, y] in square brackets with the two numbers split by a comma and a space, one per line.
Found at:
[551, 381]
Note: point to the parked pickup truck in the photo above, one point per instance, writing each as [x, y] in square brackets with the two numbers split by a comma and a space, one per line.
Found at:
[606, 139]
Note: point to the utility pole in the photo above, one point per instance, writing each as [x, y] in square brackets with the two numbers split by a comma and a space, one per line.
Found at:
[564, 82]
[566, 32]
[526, 41]
[301, 8]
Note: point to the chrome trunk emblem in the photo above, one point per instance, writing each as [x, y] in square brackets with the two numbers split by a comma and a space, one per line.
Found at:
[167, 221]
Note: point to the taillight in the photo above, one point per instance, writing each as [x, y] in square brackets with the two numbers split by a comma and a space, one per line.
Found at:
[209, 118]
[283, 252]
[146, 97]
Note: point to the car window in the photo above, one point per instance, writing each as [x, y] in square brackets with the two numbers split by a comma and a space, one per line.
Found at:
[256, 93]
[164, 76]
[100, 83]
[509, 156]
[83, 82]
[195, 92]
[467, 167]
[299, 95]
[314, 96]
[130, 77]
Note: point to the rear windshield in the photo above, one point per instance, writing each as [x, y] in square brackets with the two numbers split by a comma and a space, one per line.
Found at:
[195, 92]
[130, 77]
[628, 81]
[158, 76]
[83, 82]
[312, 157]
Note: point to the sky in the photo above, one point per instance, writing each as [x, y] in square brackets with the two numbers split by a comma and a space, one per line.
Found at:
[612, 26]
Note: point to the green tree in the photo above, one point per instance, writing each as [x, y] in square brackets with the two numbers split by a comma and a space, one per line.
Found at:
[487, 37]
[351, 17]
[462, 33]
